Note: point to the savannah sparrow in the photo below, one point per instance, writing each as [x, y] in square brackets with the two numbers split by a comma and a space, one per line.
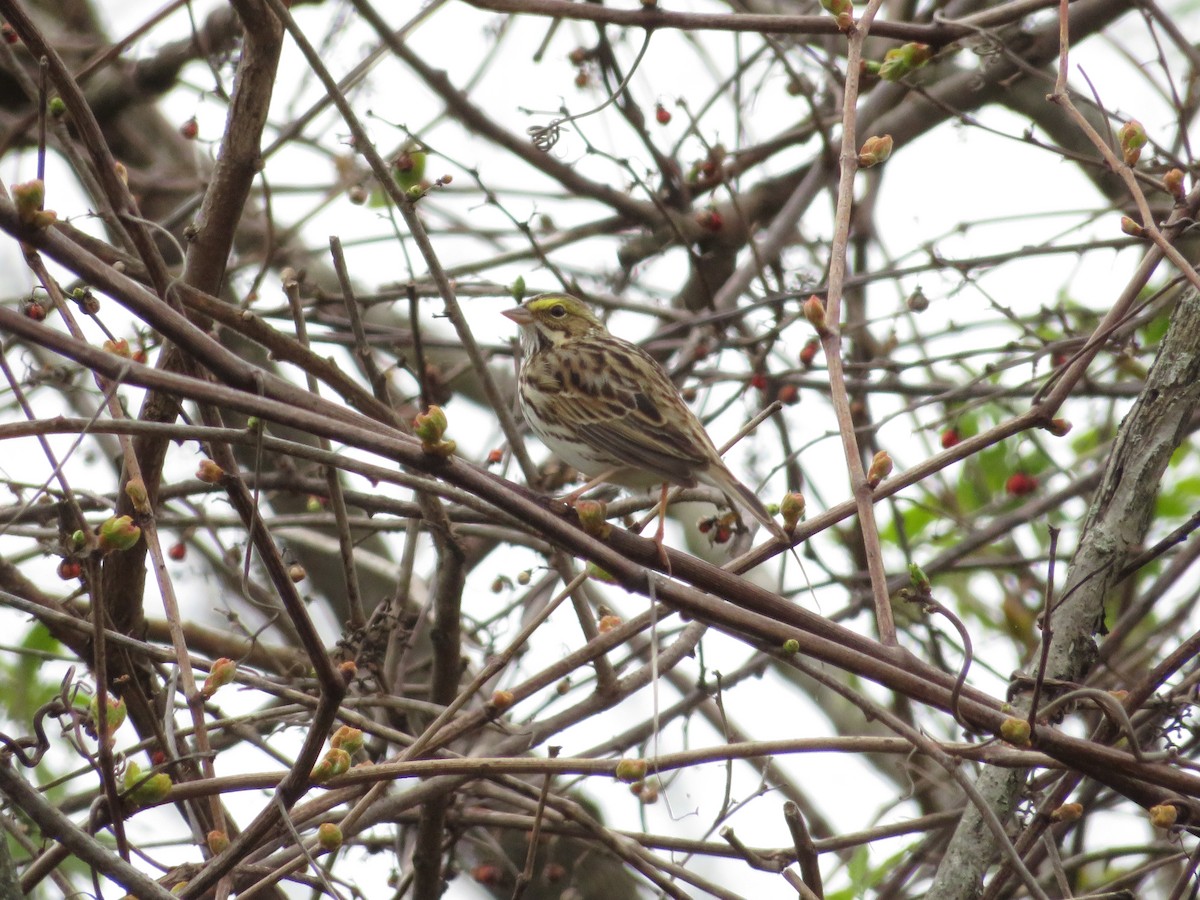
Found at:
[607, 408]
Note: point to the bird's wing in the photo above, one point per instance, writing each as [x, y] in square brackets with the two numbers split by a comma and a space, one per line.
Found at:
[634, 414]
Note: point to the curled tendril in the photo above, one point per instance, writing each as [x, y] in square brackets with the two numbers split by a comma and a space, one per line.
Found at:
[58, 706]
[544, 137]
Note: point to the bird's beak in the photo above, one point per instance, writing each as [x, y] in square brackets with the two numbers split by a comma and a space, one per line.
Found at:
[519, 314]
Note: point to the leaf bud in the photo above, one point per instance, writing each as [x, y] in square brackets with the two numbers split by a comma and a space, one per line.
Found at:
[881, 468]
[814, 311]
[329, 836]
[1015, 731]
[119, 533]
[1132, 137]
[630, 770]
[875, 150]
[222, 673]
[593, 515]
[348, 739]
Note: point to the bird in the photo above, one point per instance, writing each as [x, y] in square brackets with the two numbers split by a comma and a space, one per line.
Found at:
[606, 407]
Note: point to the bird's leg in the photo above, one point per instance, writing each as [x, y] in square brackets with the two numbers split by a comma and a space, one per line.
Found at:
[662, 527]
[570, 498]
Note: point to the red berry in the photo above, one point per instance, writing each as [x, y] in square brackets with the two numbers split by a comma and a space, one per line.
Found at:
[950, 437]
[494, 456]
[190, 129]
[1019, 484]
[662, 115]
[788, 394]
[486, 873]
[35, 311]
[177, 551]
[809, 353]
[758, 381]
[8, 34]
[69, 568]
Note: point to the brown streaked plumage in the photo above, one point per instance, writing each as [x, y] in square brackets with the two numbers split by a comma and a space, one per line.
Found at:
[607, 408]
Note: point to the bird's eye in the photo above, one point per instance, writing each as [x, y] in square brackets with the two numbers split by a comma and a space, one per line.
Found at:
[558, 311]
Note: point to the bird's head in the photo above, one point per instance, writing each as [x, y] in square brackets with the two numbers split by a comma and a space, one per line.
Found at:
[551, 319]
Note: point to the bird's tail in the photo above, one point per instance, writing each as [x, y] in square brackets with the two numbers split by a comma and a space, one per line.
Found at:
[724, 481]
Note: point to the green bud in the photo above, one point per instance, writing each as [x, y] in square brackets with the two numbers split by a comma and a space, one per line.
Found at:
[119, 533]
[630, 770]
[329, 836]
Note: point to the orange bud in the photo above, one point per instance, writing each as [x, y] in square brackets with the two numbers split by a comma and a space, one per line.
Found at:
[1164, 815]
[814, 311]
[218, 842]
[222, 673]
[209, 472]
[1068, 812]
[875, 150]
[881, 468]
[1173, 182]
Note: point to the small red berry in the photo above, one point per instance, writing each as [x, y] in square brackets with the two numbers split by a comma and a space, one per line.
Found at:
[758, 381]
[8, 34]
[494, 456]
[662, 115]
[190, 129]
[809, 352]
[950, 437]
[69, 569]
[1019, 484]
[788, 394]
[178, 551]
[486, 873]
[35, 311]
[581, 79]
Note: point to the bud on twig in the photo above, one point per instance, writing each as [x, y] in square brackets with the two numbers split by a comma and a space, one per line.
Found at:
[814, 311]
[881, 468]
[875, 150]
[221, 674]
[791, 508]
[1133, 138]
[119, 533]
